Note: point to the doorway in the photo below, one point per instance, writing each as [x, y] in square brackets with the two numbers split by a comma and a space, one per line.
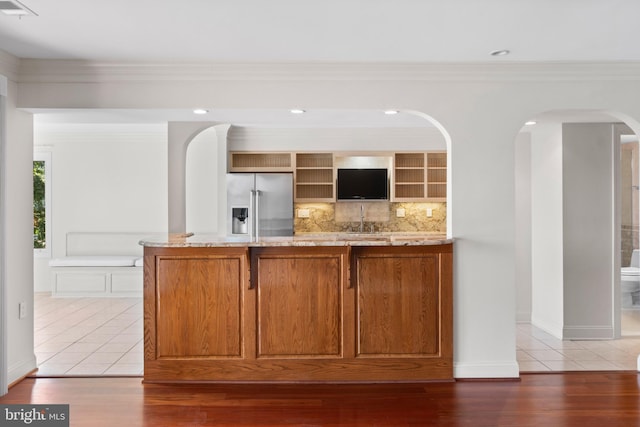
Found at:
[576, 236]
[629, 236]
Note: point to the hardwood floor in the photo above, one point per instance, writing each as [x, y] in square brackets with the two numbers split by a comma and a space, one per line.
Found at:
[570, 399]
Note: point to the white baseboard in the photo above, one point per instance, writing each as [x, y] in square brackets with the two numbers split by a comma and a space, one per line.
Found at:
[486, 370]
[555, 330]
[22, 368]
[587, 332]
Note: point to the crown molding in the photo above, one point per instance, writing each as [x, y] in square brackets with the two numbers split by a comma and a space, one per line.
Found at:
[9, 65]
[73, 71]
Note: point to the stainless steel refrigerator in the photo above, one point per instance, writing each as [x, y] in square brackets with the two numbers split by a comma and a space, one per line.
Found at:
[260, 204]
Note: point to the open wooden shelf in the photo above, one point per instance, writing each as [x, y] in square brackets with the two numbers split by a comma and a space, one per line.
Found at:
[437, 176]
[259, 162]
[409, 176]
[314, 177]
[420, 176]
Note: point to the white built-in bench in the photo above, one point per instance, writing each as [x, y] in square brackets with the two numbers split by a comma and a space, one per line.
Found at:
[99, 264]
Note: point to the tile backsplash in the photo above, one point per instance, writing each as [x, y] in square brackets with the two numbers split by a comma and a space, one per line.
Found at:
[383, 216]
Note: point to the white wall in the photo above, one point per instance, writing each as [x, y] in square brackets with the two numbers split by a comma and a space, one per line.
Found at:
[546, 229]
[523, 226]
[337, 139]
[105, 177]
[481, 106]
[203, 182]
[587, 179]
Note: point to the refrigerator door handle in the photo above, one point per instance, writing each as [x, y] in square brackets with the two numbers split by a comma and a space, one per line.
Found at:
[252, 217]
[257, 215]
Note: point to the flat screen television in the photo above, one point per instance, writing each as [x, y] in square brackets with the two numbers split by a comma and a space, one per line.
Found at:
[363, 184]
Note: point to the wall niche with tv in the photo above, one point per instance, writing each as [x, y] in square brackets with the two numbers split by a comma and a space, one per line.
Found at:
[363, 178]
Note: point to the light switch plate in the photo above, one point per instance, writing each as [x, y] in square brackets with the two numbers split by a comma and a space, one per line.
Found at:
[400, 213]
[303, 213]
[429, 212]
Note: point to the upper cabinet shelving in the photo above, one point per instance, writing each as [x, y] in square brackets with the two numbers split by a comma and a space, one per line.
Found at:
[409, 176]
[415, 177]
[437, 176]
[420, 176]
[314, 177]
[260, 162]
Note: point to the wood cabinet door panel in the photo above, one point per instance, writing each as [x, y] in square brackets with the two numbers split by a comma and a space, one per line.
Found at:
[299, 306]
[199, 307]
[398, 305]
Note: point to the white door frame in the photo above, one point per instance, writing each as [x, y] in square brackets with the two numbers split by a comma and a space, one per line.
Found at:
[619, 129]
[616, 207]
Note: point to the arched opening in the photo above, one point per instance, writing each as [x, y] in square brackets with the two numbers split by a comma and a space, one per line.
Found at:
[347, 142]
[447, 141]
[569, 248]
[200, 188]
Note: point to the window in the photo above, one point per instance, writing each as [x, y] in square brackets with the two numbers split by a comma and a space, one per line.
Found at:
[41, 204]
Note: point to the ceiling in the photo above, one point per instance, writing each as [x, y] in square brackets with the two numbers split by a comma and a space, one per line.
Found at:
[328, 30]
[381, 31]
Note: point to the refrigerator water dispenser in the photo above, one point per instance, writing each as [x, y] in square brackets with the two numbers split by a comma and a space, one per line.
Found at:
[239, 223]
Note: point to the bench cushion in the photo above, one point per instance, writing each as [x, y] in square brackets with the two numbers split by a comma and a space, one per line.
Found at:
[94, 261]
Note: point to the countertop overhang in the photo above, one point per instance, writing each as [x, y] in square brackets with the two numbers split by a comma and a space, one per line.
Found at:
[305, 239]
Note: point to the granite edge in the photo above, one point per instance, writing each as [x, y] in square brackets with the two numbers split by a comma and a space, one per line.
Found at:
[338, 239]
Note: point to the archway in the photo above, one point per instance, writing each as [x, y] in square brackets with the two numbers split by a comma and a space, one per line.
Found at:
[568, 240]
[447, 140]
[184, 136]
[215, 140]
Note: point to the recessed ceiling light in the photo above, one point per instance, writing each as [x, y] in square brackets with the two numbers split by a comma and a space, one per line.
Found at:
[391, 112]
[530, 123]
[200, 111]
[15, 8]
[501, 52]
[297, 111]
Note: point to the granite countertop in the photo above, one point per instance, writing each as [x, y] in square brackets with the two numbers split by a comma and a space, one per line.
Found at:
[303, 239]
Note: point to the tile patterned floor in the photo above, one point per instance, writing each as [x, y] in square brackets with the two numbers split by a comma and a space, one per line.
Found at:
[538, 351]
[103, 337]
[88, 336]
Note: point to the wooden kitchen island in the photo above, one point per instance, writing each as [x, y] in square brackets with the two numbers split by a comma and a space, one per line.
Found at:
[318, 308]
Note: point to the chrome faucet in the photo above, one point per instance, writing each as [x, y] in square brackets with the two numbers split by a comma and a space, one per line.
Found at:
[361, 218]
